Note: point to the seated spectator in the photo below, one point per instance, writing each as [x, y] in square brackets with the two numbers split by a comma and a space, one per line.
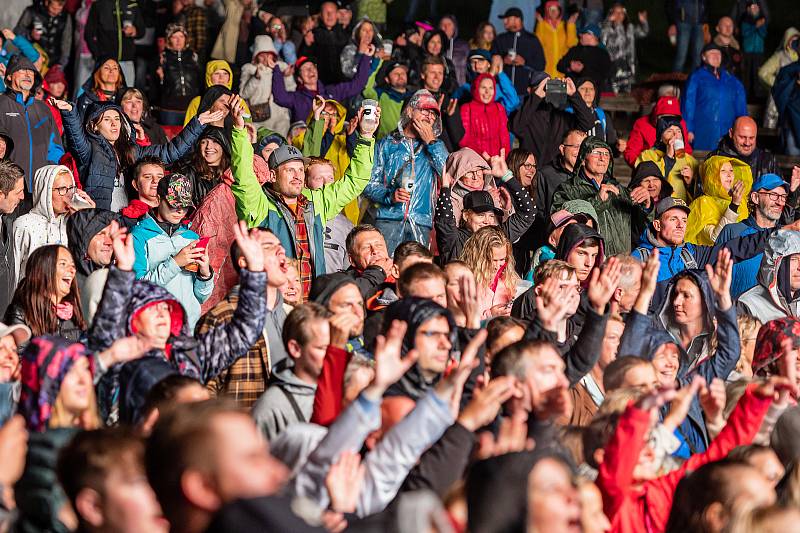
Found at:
[391, 93]
[766, 204]
[643, 134]
[90, 237]
[741, 142]
[484, 120]
[479, 208]
[401, 199]
[256, 85]
[588, 59]
[54, 197]
[104, 85]
[210, 158]
[433, 46]
[677, 165]
[541, 127]
[714, 99]
[488, 253]
[484, 37]
[619, 36]
[104, 149]
[785, 54]
[137, 109]
[146, 174]
[246, 379]
[481, 62]
[101, 472]
[574, 212]
[178, 74]
[726, 182]
[289, 398]
[648, 182]
[556, 34]
[309, 85]
[166, 249]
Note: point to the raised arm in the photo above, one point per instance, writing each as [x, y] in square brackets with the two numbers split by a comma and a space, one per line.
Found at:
[80, 146]
[251, 203]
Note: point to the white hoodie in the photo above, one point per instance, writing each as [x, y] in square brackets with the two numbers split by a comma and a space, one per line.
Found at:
[41, 226]
[256, 86]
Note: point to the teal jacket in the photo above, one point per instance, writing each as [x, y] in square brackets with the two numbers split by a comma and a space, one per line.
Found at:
[262, 207]
[154, 251]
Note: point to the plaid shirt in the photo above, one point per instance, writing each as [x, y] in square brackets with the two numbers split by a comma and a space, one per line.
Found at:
[302, 247]
[245, 380]
[194, 19]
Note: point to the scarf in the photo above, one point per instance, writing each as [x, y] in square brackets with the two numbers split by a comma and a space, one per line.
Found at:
[64, 310]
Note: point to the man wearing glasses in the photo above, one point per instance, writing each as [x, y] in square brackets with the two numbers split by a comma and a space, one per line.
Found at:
[767, 207]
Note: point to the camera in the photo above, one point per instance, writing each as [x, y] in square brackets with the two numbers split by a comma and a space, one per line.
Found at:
[556, 92]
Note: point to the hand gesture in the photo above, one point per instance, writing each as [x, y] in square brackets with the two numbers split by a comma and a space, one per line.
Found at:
[272, 61]
[204, 264]
[538, 16]
[720, 277]
[486, 402]
[13, 449]
[498, 163]
[207, 117]
[503, 199]
[447, 180]
[681, 402]
[467, 300]
[795, 181]
[737, 192]
[62, 105]
[606, 189]
[401, 196]
[341, 325]
[497, 65]
[511, 437]
[317, 106]
[640, 195]
[122, 244]
[344, 480]
[451, 107]
[8, 34]
[288, 72]
[776, 387]
[390, 365]
[188, 255]
[712, 400]
[160, 73]
[573, 18]
[451, 387]
[85, 198]
[648, 282]
[499, 310]
[251, 249]
[424, 130]
[602, 284]
[125, 350]
[236, 105]
[656, 399]
[571, 89]
[541, 89]
[551, 307]
[367, 128]
[642, 16]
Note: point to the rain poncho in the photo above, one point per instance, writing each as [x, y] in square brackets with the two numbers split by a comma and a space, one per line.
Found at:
[707, 212]
[556, 40]
[393, 163]
[768, 72]
[773, 297]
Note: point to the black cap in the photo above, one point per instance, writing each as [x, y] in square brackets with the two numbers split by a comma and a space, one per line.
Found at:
[711, 46]
[511, 12]
[480, 202]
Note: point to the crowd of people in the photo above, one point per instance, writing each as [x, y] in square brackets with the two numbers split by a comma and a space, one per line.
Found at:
[266, 269]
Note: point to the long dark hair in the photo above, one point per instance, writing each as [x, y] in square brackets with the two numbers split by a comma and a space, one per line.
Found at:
[124, 146]
[35, 292]
[200, 165]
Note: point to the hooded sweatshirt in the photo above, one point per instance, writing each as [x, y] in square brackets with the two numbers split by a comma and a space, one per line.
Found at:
[458, 164]
[82, 227]
[256, 86]
[211, 67]
[288, 400]
[773, 298]
[485, 125]
[41, 226]
[643, 171]
[643, 133]
[575, 235]
[711, 212]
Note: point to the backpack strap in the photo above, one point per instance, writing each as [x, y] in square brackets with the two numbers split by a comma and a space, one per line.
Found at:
[296, 408]
[687, 258]
[644, 253]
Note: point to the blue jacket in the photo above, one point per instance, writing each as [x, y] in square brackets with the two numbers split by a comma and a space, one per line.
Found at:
[392, 161]
[786, 93]
[745, 272]
[711, 105]
[506, 94]
[154, 262]
[97, 161]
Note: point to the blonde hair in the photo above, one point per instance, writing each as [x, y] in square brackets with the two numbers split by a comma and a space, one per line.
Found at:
[477, 255]
[88, 419]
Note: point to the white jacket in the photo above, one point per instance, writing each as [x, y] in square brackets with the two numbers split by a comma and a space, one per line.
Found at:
[256, 86]
[41, 226]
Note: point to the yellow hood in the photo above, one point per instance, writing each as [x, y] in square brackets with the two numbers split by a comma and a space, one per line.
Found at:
[342, 116]
[709, 174]
[218, 64]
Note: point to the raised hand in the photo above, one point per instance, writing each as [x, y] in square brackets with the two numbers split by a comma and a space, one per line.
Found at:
[13, 448]
[317, 106]
[511, 437]
[639, 195]
[467, 301]
[8, 34]
[122, 244]
[424, 130]
[776, 387]
[486, 402]
[451, 387]
[551, 307]
[603, 284]
[251, 249]
[648, 282]
[390, 365]
[62, 105]
[368, 128]
[720, 277]
[712, 400]
[737, 192]
[682, 401]
[607, 189]
[571, 89]
[498, 163]
[344, 480]
[124, 350]
[541, 89]
[207, 117]
[795, 181]
[687, 174]
[341, 325]
[236, 106]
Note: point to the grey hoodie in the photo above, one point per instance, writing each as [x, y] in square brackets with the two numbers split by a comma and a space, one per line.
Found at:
[273, 412]
[767, 300]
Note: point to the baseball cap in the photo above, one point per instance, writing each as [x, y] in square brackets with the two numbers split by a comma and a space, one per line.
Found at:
[670, 203]
[594, 29]
[767, 182]
[395, 64]
[480, 54]
[21, 332]
[177, 190]
[711, 46]
[481, 202]
[559, 218]
[283, 154]
[511, 12]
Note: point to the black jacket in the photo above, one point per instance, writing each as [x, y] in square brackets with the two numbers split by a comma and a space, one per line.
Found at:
[82, 226]
[541, 127]
[596, 64]
[68, 329]
[182, 80]
[327, 47]
[451, 237]
[528, 46]
[56, 32]
[103, 32]
[8, 274]
[761, 161]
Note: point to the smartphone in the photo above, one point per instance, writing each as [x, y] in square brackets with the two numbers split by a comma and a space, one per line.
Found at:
[202, 244]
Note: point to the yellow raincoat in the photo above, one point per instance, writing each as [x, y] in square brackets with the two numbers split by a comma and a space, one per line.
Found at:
[211, 67]
[555, 43]
[310, 142]
[675, 179]
[707, 210]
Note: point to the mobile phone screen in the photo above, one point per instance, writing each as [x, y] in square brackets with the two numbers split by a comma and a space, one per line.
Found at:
[203, 242]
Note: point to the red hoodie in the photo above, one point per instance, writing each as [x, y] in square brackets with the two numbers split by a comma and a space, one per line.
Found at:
[485, 125]
[633, 510]
[643, 134]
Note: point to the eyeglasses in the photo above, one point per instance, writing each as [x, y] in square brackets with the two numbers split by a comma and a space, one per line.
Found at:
[529, 166]
[601, 154]
[327, 114]
[774, 196]
[65, 191]
[571, 145]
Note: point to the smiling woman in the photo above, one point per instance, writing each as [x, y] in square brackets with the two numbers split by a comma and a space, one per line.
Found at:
[48, 300]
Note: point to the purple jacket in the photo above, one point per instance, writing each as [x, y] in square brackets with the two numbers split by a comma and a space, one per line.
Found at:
[299, 101]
